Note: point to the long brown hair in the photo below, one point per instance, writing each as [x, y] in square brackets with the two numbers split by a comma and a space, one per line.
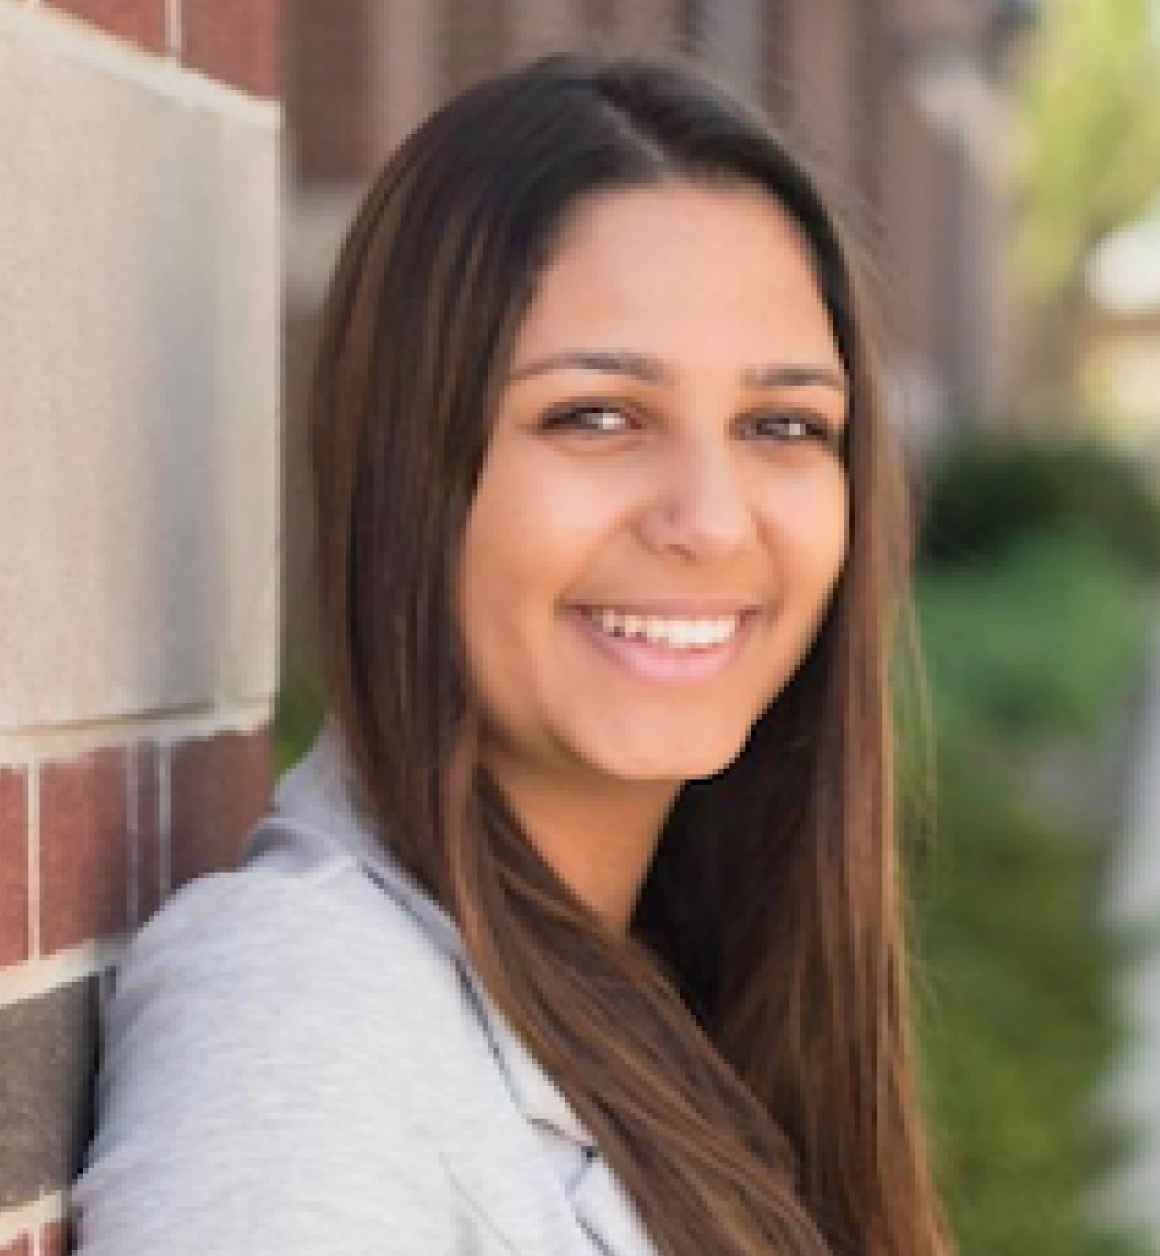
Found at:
[742, 1057]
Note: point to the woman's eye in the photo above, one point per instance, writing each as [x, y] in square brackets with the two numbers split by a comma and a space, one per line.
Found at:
[597, 418]
[587, 418]
[794, 427]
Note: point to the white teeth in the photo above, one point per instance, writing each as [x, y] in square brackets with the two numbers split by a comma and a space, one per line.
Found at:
[678, 634]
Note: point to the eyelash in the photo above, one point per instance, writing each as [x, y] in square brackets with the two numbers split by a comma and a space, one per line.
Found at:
[566, 417]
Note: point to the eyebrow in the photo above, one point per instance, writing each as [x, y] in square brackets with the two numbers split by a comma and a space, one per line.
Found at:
[652, 370]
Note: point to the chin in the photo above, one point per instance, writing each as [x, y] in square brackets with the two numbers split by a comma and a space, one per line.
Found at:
[689, 764]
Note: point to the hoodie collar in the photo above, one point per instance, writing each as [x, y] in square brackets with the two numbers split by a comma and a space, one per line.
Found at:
[319, 794]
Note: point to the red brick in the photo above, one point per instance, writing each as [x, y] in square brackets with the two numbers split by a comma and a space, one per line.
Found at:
[83, 849]
[219, 786]
[149, 887]
[56, 1239]
[21, 1247]
[13, 866]
[234, 41]
[142, 21]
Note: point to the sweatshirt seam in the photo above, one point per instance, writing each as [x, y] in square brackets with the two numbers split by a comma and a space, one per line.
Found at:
[477, 1208]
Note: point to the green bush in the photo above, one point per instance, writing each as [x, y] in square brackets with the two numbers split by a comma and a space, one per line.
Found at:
[986, 493]
[1045, 641]
[1022, 1026]
[1038, 645]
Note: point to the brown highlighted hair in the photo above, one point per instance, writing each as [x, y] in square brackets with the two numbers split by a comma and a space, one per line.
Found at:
[743, 1056]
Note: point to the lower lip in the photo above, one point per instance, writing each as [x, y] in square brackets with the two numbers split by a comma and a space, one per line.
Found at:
[664, 663]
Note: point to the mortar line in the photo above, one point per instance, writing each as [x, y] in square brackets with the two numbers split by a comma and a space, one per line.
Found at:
[29, 1218]
[33, 978]
[25, 745]
[173, 40]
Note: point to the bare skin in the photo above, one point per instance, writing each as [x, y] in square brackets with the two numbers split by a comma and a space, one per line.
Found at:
[666, 444]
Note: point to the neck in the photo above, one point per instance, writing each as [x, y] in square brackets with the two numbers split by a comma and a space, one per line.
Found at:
[598, 835]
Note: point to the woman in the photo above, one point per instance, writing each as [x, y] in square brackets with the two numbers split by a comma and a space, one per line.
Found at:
[579, 930]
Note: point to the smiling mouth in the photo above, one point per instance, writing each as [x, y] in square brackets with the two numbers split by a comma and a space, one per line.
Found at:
[673, 631]
[665, 647]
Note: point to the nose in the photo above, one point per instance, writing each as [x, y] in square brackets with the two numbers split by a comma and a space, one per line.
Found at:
[699, 506]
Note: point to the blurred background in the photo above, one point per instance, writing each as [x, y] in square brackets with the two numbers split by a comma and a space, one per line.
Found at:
[1000, 162]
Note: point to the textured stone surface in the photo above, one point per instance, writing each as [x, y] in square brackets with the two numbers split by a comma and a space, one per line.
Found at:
[84, 861]
[46, 1082]
[220, 785]
[139, 240]
[13, 866]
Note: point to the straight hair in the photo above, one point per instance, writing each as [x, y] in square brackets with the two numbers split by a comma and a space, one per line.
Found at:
[743, 1056]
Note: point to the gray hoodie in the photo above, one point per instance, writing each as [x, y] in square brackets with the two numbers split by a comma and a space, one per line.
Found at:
[298, 1059]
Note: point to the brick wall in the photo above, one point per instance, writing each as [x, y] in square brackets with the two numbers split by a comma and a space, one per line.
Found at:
[139, 579]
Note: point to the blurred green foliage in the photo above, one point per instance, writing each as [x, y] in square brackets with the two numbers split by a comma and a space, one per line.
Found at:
[298, 714]
[1084, 146]
[1024, 1026]
[1045, 639]
[985, 494]
[1034, 599]
[1090, 133]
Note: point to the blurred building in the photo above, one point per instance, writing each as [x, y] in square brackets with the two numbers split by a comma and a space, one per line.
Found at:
[900, 102]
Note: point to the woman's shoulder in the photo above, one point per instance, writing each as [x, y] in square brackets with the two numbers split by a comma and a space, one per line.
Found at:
[315, 931]
[319, 910]
[287, 1035]
[315, 951]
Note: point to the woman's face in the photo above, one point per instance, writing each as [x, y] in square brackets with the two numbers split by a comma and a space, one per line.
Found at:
[662, 511]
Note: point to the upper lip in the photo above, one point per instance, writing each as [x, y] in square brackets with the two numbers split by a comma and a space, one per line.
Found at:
[692, 608]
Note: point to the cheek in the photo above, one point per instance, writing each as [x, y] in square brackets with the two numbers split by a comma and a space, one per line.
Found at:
[834, 541]
[489, 627]
[528, 536]
[534, 524]
[522, 550]
[808, 526]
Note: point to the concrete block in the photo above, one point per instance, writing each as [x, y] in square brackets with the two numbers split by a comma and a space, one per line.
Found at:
[139, 261]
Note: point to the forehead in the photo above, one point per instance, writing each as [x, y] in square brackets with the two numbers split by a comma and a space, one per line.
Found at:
[704, 274]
